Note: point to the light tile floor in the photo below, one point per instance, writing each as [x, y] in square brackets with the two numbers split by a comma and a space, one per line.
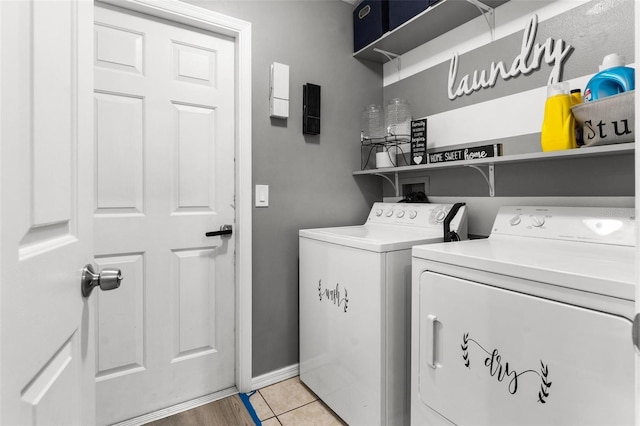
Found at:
[291, 403]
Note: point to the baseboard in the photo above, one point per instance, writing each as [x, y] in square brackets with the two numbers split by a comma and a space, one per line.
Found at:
[179, 408]
[275, 376]
[256, 383]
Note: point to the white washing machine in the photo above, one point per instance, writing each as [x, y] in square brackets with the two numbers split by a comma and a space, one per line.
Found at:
[531, 326]
[354, 308]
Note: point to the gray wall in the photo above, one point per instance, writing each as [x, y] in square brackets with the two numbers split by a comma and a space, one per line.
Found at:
[309, 177]
[593, 181]
[592, 36]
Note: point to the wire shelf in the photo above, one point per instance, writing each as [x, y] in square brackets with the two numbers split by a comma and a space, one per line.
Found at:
[394, 146]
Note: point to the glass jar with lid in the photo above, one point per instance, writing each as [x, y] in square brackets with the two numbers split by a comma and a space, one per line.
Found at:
[373, 122]
[398, 118]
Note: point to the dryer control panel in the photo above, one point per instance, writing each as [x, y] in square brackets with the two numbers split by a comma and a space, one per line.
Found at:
[583, 224]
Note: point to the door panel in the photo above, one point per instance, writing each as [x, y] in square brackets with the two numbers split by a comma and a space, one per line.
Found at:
[46, 356]
[53, 393]
[120, 318]
[52, 111]
[195, 176]
[192, 303]
[119, 129]
[165, 111]
[118, 49]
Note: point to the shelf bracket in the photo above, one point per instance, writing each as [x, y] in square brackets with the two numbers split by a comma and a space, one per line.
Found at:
[395, 185]
[491, 180]
[393, 57]
[489, 16]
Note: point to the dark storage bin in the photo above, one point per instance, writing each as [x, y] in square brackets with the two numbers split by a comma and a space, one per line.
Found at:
[400, 11]
[370, 21]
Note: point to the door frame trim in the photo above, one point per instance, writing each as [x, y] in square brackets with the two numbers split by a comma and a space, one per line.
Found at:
[240, 31]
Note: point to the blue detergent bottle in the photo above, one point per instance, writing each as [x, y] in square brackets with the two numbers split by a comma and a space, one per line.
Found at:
[612, 79]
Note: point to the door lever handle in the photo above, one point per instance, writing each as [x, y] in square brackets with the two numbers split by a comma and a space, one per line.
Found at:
[224, 230]
[107, 279]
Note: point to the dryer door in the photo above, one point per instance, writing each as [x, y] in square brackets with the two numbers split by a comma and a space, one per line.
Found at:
[494, 356]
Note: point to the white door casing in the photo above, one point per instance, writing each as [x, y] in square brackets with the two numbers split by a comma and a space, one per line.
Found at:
[47, 348]
[164, 137]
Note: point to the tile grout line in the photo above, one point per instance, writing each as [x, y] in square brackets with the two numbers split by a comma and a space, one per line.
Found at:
[266, 402]
[294, 409]
[277, 416]
[273, 411]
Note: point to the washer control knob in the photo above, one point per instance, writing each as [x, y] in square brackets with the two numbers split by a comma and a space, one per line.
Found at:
[440, 215]
[537, 221]
[400, 213]
[379, 212]
[515, 220]
[413, 214]
[390, 213]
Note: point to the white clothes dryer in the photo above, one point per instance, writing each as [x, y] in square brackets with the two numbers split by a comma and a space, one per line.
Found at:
[531, 326]
[354, 308]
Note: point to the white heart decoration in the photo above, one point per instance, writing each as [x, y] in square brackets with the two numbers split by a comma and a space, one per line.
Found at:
[418, 159]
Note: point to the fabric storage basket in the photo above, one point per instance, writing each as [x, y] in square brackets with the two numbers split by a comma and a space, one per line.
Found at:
[400, 11]
[370, 22]
[607, 121]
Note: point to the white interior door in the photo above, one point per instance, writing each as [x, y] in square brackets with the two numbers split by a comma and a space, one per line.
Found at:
[164, 139]
[46, 356]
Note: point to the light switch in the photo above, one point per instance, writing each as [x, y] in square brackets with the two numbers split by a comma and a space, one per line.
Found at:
[262, 195]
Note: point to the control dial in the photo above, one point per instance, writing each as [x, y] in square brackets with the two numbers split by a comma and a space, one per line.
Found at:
[400, 214]
[537, 221]
[440, 216]
[413, 214]
[515, 220]
[390, 213]
[379, 212]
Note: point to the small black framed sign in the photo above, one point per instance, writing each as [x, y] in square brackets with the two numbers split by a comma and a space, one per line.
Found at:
[419, 142]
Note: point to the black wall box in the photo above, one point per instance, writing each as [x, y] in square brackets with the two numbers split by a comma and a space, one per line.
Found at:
[311, 109]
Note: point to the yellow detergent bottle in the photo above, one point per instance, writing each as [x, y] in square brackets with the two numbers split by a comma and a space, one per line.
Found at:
[558, 127]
